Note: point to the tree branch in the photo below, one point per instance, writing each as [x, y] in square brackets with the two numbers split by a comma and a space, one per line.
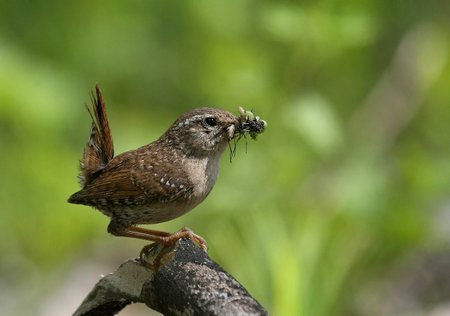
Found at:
[188, 282]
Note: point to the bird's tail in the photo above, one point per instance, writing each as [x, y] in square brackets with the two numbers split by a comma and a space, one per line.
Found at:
[100, 148]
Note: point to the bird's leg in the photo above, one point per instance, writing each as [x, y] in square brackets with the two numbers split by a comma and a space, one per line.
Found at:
[187, 232]
[165, 238]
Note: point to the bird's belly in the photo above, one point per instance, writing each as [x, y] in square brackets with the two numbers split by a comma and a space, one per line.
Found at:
[154, 214]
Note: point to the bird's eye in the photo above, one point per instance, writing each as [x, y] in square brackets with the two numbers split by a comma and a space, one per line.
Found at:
[211, 121]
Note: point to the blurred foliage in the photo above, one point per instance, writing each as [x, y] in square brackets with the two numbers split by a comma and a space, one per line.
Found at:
[348, 185]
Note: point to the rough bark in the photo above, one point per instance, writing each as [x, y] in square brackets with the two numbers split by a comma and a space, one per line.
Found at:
[187, 282]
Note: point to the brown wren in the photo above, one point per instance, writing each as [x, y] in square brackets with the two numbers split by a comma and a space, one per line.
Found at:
[156, 182]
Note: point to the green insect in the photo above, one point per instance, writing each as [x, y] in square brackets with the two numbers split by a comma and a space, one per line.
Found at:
[249, 124]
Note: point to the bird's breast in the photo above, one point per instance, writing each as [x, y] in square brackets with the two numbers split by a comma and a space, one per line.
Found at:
[202, 173]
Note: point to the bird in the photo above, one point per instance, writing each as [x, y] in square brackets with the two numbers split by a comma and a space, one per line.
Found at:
[159, 181]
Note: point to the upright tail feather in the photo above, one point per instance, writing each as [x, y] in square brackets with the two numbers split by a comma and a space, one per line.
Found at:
[100, 148]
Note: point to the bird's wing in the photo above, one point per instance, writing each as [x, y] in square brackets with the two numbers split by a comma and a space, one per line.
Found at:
[131, 180]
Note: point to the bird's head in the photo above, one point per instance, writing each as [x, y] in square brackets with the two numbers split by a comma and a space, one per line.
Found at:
[202, 132]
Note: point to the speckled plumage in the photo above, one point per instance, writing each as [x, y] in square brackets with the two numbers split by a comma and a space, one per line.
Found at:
[156, 182]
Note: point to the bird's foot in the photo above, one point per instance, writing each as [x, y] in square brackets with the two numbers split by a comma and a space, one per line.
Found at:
[168, 243]
[166, 252]
[186, 232]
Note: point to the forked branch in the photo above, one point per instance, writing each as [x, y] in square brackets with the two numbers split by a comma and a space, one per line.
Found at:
[187, 282]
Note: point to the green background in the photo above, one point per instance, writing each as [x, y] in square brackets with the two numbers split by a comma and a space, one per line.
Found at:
[341, 207]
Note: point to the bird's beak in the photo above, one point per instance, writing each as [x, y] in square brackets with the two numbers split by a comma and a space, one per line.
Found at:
[231, 131]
